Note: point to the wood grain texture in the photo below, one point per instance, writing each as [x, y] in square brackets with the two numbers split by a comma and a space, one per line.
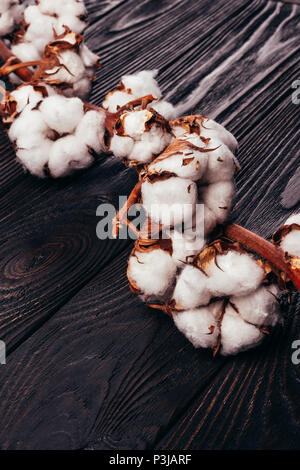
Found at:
[89, 365]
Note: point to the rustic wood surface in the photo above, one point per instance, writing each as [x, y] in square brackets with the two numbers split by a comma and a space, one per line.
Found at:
[89, 366]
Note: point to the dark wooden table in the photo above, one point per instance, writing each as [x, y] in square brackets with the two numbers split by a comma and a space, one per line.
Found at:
[88, 365]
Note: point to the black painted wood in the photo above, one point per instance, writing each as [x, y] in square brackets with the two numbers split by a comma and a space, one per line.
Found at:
[89, 366]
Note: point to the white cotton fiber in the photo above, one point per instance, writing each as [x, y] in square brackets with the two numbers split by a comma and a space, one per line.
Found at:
[219, 197]
[164, 108]
[191, 289]
[234, 274]
[121, 146]
[10, 14]
[26, 96]
[73, 68]
[153, 271]
[212, 130]
[35, 158]
[291, 243]
[185, 246]
[134, 122]
[67, 154]
[261, 307]
[188, 163]
[25, 51]
[199, 325]
[149, 145]
[90, 130]
[222, 164]
[293, 219]
[62, 114]
[115, 100]
[237, 335]
[170, 201]
[142, 83]
[28, 125]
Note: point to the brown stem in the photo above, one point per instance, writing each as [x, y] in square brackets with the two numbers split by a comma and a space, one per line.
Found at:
[265, 249]
[24, 73]
[121, 217]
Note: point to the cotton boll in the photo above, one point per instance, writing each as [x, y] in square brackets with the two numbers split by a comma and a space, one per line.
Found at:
[81, 88]
[222, 164]
[142, 83]
[237, 335]
[26, 96]
[121, 146]
[291, 243]
[261, 307]
[25, 51]
[28, 127]
[87, 56]
[170, 201]
[90, 130]
[188, 163]
[219, 197]
[211, 129]
[73, 68]
[199, 326]
[35, 159]
[73, 22]
[191, 289]
[185, 246]
[135, 122]
[166, 109]
[234, 273]
[62, 114]
[67, 154]
[115, 100]
[151, 143]
[153, 271]
[293, 219]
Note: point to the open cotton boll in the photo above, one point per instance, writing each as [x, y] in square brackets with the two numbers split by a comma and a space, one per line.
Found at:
[219, 197]
[135, 122]
[121, 146]
[291, 243]
[261, 307]
[293, 219]
[62, 114]
[10, 14]
[35, 159]
[170, 201]
[26, 96]
[212, 130]
[115, 100]
[238, 335]
[59, 7]
[191, 289]
[164, 108]
[90, 130]
[234, 273]
[25, 51]
[185, 246]
[142, 83]
[187, 163]
[67, 154]
[26, 127]
[222, 164]
[153, 272]
[151, 143]
[73, 68]
[199, 325]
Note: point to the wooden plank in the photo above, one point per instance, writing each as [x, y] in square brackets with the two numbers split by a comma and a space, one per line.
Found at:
[92, 367]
